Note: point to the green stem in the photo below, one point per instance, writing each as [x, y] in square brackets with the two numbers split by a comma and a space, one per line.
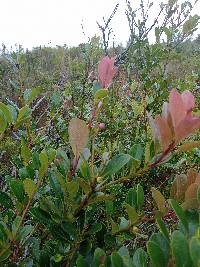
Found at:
[23, 216]
[76, 247]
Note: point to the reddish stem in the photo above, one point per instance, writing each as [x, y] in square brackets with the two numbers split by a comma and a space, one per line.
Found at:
[163, 155]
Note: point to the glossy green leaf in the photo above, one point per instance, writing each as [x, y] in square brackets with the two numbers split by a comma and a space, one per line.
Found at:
[140, 196]
[24, 232]
[195, 251]
[156, 254]
[131, 197]
[72, 188]
[180, 213]
[25, 152]
[163, 229]
[43, 164]
[6, 112]
[140, 258]
[124, 253]
[114, 227]
[116, 260]
[3, 122]
[31, 94]
[84, 185]
[29, 187]
[159, 199]
[100, 94]
[132, 214]
[115, 164]
[5, 254]
[180, 249]
[95, 228]
[18, 190]
[100, 198]
[109, 207]
[81, 262]
[23, 116]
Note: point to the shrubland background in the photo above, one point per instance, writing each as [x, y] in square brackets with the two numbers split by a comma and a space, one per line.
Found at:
[103, 203]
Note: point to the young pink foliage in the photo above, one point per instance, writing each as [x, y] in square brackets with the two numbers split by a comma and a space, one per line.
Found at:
[177, 121]
[106, 71]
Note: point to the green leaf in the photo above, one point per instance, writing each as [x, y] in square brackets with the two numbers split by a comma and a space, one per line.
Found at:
[81, 262]
[23, 116]
[100, 94]
[18, 190]
[195, 251]
[56, 99]
[140, 196]
[137, 152]
[84, 185]
[29, 187]
[31, 94]
[115, 164]
[124, 253]
[156, 254]
[132, 214]
[85, 170]
[24, 232]
[100, 198]
[4, 254]
[163, 228]
[116, 260]
[159, 239]
[99, 256]
[15, 224]
[13, 112]
[140, 258]
[190, 24]
[43, 164]
[131, 198]
[58, 258]
[109, 207]
[157, 34]
[180, 213]
[114, 227]
[3, 122]
[35, 247]
[70, 229]
[6, 112]
[72, 188]
[5, 200]
[180, 249]
[159, 199]
[51, 153]
[25, 152]
[95, 228]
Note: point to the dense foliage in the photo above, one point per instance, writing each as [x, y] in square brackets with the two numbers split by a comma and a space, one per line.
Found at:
[100, 148]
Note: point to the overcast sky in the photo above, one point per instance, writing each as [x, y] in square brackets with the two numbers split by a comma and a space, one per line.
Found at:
[57, 22]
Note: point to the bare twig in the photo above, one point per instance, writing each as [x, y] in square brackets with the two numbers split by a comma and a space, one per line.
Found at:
[106, 31]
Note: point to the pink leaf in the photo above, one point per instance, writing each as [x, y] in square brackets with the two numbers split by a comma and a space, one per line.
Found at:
[107, 71]
[177, 107]
[165, 132]
[186, 127]
[188, 100]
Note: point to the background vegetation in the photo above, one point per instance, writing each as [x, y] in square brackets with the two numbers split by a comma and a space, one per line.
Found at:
[84, 178]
